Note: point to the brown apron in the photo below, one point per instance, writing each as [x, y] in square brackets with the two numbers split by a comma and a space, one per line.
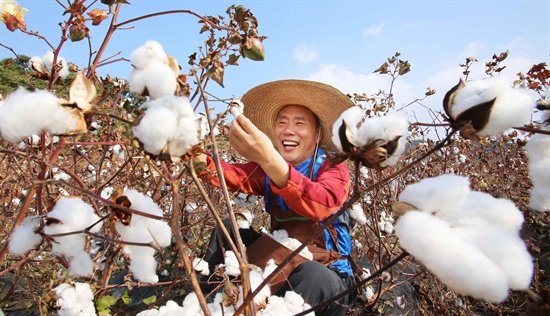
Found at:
[298, 227]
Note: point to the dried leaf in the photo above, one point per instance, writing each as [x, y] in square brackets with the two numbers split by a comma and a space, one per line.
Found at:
[216, 72]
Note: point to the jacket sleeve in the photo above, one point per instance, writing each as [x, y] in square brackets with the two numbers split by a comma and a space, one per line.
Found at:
[317, 199]
[247, 178]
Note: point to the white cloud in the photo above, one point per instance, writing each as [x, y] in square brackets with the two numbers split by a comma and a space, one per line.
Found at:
[304, 54]
[374, 30]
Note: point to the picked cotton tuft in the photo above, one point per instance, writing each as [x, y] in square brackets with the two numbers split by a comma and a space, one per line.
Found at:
[236, 107]
[231, 264]
[24, 237]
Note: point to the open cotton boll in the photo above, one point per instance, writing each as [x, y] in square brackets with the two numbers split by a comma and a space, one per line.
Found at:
[75, 299]
[184, 138]
[352, 117]
[495, 211]
[47, 61]
[80, 264]
[512, 107]
[231, 264]
[180, 106]
[443, 195]
[382, 127]
[358, 214]
[505, 249]
[256, 278]
[191, 305]
[538, 152]
[148, 52]
[458, 264]
[201, 266]
[24, 113]
[157, 77]
[155, 128]
[143, 263]
[24, 237]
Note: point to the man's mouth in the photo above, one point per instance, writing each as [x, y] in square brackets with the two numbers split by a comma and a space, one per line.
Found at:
[287, 144]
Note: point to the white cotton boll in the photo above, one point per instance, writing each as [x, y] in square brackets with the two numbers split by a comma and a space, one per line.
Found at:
[495, 211]
[509, 252]
[294, 302]
[150, 51]
[256, 278]
[143, 263]
[75, 300]
[149, 312]
[458, 264]
[442, 195]
[154, 130]
[47, 59]
[157, 77]
[231, 264]
[184, 138]
[191, 305]
[357, 213]
[24, 237]
[180, 106]
[352, 117]
[538, 152]
[24, 113]
[201, 266]
[512, 107]
[385, 128]
[81, 264]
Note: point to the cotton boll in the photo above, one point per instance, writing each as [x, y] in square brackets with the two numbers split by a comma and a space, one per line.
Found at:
[150, 51]
[358, 214]
[157, 77]
[25, 113]
[24, 237]
[256, 279]
[538, 152]
[184, 138]
[143, 263]
[236, 108]
[294, 302]
[81, 264]
[512, 107]
[191, 305]
[458, 264]
[154, 130]
[382, 127]
[201, 266]
[231, 264]
[509, 252]
[352, 117]
[442, 195]
[75, 300]
[498, 212]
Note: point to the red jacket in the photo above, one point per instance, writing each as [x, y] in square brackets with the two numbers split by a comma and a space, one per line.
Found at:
[315, 200]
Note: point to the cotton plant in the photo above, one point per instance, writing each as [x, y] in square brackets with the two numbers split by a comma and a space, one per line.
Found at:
[75, 299]
[24, 113]
[538, 153]
[140, 229]
[72, 214]
[168, 126]
[469, 240]
[487, 107]
[375, 142]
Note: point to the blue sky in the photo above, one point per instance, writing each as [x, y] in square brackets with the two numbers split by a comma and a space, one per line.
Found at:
[337, 42]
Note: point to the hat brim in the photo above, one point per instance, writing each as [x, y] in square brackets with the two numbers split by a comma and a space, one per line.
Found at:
[263, 103]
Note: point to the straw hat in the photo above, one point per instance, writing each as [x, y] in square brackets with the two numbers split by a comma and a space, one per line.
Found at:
[263, 103]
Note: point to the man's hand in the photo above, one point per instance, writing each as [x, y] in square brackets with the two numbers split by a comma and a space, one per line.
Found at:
[255, 146]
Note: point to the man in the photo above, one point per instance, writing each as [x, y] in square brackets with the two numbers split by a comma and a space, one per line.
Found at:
[284, 132]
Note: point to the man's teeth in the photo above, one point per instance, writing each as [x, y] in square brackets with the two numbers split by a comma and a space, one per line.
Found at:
[288, 143]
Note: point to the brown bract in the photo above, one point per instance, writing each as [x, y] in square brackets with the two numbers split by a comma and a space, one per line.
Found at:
[81, 95]
[470, 121]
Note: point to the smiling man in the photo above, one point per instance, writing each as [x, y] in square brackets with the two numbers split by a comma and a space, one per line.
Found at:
[284, 132]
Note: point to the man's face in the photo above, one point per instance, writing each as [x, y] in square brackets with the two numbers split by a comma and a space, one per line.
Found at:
[296, 133]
